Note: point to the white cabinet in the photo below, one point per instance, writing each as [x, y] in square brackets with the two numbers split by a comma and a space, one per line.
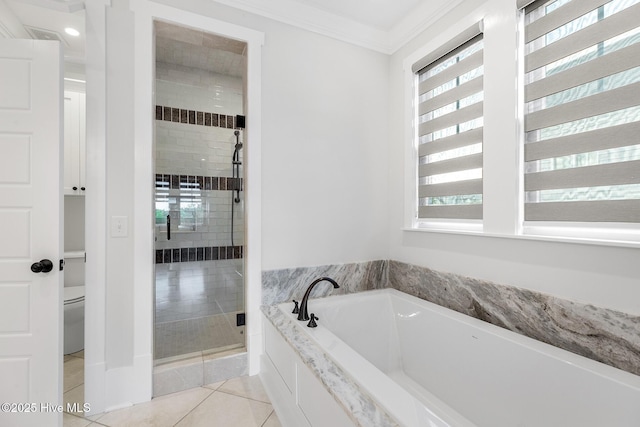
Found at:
[74, 143]
[317, 405]
[298, 397]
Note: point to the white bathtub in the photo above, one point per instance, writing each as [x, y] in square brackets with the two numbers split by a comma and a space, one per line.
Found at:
[426, 365]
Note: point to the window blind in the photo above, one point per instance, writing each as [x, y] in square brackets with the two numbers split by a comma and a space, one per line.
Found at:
[582, 111]
[450, 120]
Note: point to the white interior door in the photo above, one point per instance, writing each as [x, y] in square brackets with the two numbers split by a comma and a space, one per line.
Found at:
[31, 230]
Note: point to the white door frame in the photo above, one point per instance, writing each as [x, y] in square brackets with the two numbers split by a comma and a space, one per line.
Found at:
[109, 390]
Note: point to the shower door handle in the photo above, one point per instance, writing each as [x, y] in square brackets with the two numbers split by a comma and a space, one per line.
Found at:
[168, 227]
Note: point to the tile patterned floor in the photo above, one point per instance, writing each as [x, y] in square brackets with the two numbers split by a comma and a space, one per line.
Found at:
[187, 290]
[195, 307]
[183, 337]
[238, 402]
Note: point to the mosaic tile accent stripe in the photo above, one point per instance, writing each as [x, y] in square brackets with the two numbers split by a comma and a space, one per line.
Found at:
[193, 117]
[198, 182]
[201, 253]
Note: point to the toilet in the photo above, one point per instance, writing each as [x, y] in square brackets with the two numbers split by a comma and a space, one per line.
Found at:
[73, 319]
[74, 303]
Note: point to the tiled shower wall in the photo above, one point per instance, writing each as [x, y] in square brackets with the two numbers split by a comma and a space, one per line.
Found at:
[194, 166]
[200, 155]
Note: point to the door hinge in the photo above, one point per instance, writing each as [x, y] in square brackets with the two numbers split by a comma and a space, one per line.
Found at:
[61, 264]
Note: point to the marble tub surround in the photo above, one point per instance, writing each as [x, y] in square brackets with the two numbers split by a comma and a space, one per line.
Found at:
[608, 336]
[601, 334]
[360, 406]
[287, 284]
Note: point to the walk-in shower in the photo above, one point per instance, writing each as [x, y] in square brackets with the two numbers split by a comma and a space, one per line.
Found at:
[199, 203]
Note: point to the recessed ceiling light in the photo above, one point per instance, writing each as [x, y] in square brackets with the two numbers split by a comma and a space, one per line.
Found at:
[72, 31]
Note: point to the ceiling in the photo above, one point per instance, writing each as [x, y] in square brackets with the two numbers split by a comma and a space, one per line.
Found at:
[198, 49]
[46, 19]
[382, 25]
[380, 14]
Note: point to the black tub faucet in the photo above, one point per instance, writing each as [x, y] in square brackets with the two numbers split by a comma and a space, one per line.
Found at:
[303, 314]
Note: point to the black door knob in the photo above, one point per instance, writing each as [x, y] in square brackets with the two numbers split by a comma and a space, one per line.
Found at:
[75, 188]
[44, 266]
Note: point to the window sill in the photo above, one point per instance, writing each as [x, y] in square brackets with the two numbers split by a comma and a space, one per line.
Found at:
[533, 237]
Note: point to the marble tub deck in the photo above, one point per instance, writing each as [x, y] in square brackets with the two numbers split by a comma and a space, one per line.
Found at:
[601, 334]
[356, 401]
[360, 407]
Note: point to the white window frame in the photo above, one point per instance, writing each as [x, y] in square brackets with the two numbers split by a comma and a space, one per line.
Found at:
[503, 208]
[610, 234]
[412, 221]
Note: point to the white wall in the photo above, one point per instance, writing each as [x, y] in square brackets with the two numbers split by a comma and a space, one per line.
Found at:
[324, 155]
[324, 184]
[606, 276]
[73, 223]
[332, 182]
[323, 189]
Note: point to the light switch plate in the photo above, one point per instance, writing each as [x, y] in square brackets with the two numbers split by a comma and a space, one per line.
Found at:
[119, 226]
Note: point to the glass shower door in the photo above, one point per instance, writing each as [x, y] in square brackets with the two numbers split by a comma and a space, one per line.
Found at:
[199, 202]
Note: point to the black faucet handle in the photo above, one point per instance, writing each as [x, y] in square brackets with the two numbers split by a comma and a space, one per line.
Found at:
[296, 310]
[312, 323]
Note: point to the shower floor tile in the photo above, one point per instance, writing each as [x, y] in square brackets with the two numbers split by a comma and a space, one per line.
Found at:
[188, 336]
[200, 289]
[196, 306]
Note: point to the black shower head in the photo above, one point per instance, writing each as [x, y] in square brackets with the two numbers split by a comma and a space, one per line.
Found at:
[238, 143]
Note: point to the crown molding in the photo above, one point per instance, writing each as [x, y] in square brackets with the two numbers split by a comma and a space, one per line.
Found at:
[68, 6]
[312, 19]
[418, 20]
[10, 25]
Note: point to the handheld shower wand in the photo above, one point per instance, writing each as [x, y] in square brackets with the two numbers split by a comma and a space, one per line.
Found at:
[236, 166]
